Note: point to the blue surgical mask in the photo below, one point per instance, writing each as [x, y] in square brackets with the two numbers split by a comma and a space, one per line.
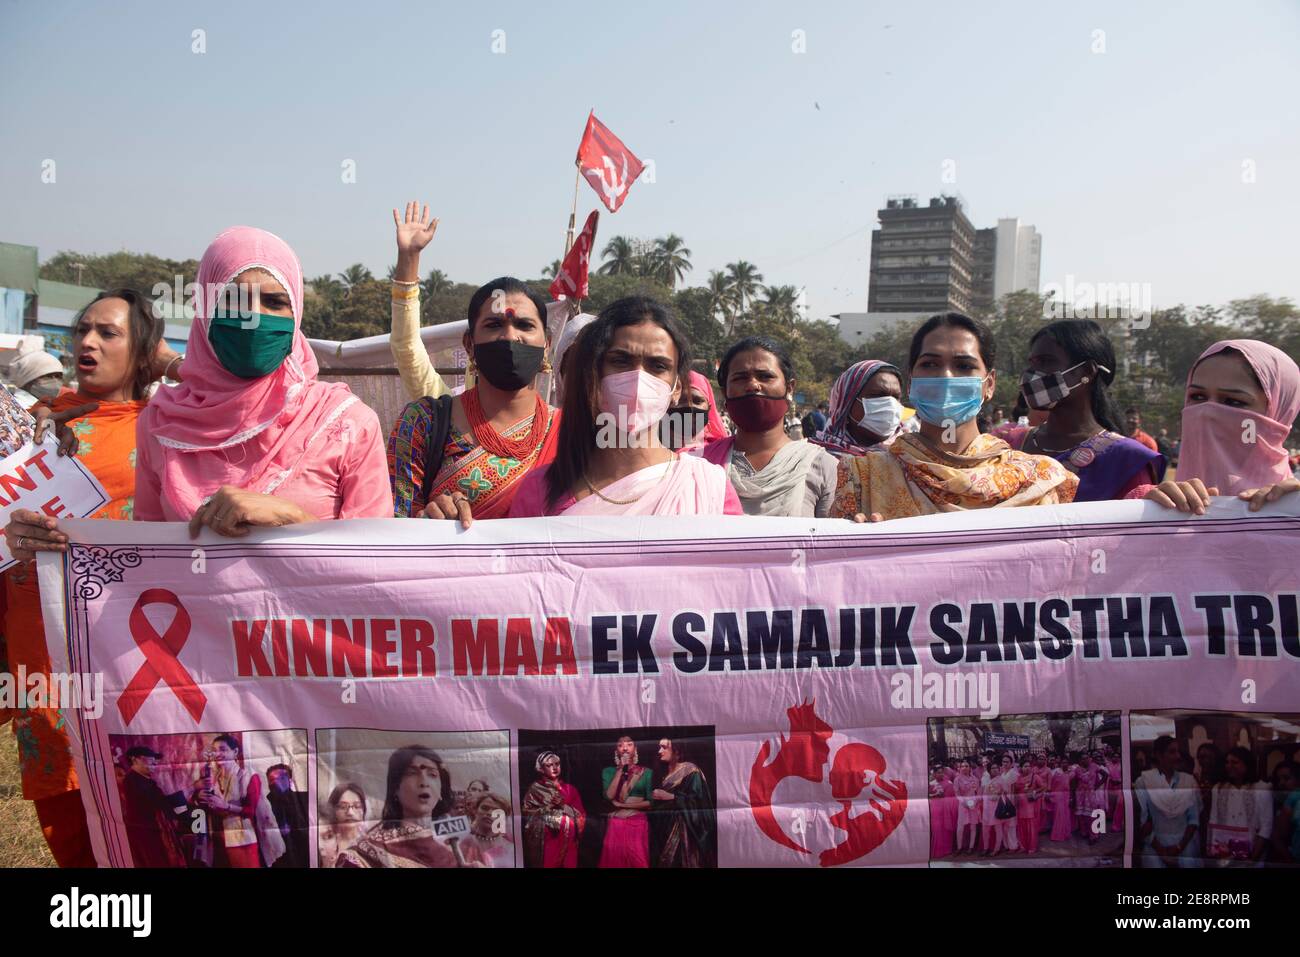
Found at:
[942, 399]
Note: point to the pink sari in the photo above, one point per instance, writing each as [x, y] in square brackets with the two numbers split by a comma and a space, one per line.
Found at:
[967, 788]
[1115, 791]
[942, 817]
[685, 485]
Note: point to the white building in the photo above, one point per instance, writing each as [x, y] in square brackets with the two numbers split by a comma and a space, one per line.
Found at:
[857, 327]
[1017, 258]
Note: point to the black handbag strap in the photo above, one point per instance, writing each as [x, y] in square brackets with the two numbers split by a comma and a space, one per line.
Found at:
[439, 411]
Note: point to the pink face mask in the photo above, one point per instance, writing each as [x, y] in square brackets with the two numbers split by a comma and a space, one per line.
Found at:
[1232, 449]
[636, 399]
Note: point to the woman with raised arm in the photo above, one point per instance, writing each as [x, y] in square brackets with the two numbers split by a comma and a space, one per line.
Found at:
[118, 349]
[948, 466]
[1243, 397]
[772, 473]
[251, 438]
[628, 368]
[465, 457]
[415, 230]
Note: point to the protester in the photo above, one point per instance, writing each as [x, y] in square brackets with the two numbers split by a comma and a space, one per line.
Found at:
[37, 376]
[772, 474]
[1286, 821]
[695, 422]
[628, 368]
[1169, 804]
[1090, 779]
[564, 348]
[949, 465]
[251, 437]
[241, 828]
[815, 420]
[117, 345]
[346, 816]
[1070, 365]
[1134, 420]
[966, 787]
[467, 456]
[554, 817]
[865, 408]
[1241, 814]
[1243, 397]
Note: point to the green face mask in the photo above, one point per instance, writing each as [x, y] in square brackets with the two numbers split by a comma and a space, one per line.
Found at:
[252, 347]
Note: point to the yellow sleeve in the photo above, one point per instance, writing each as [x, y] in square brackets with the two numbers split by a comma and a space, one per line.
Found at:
[413, 365]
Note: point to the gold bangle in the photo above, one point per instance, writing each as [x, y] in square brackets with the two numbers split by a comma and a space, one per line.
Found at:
[405, 282]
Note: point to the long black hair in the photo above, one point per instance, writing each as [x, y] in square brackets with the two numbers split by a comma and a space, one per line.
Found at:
[145, 328]
[398, 762]
[577, 439]
[1084, 340]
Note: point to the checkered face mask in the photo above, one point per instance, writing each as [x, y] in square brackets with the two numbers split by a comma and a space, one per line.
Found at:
[1043, 390]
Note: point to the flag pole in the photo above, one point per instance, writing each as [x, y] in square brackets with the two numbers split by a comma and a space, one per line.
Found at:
[573, 214]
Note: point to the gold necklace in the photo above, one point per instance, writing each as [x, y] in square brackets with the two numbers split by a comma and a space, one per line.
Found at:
[614, 501]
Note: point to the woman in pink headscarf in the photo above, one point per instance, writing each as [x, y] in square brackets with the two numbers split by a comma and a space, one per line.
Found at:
[865, 408]
[251, 437]
[1236, 385]
[696, 422]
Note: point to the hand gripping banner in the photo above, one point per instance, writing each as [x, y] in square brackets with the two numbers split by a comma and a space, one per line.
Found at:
[1081, 685]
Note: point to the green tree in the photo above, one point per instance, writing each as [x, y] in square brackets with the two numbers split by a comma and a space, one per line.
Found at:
[745, 280]
[670, 260]
[355, 275]
[620, 258]
[436, 282]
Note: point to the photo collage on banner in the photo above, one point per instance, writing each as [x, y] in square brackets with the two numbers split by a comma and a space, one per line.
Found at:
[214, 799]
[634, 797]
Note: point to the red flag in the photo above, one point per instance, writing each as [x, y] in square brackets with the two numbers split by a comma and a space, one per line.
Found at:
[571, 281]
[608, 165]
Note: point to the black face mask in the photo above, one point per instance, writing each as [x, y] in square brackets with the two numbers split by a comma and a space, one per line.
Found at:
[508, 365]
[681, 425]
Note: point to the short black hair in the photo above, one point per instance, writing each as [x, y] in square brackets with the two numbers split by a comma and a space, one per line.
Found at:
[139, 752]
[767, 344]
[504, 286]
[982, 333]
[229, 741]
[279, 767]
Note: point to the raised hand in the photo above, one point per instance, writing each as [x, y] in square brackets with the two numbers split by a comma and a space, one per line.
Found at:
[415, 230]
[46, 420]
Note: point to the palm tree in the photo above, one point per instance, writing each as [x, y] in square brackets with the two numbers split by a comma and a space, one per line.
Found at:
[721, 299]
[671, 259]
[780, 302]
[437, 282]
[326, 286]
[620, 258]
[745, 281]
[354, 274]
[553, 270]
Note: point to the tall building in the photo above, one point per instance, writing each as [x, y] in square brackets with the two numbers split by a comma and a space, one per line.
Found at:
[921, 257]
[931, 259]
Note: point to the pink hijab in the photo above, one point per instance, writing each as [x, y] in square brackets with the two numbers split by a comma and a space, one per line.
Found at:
[217, 429]
[714, 429]
[1213, 449]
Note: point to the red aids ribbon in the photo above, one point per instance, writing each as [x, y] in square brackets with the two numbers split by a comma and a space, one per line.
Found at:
[160, 662]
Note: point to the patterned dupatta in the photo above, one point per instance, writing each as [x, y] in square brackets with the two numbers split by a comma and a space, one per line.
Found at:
[490, 481]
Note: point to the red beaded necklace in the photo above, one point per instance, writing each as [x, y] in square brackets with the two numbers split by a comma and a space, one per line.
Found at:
[485, 435]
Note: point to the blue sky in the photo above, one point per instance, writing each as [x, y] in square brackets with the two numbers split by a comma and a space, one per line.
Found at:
[1129, 161]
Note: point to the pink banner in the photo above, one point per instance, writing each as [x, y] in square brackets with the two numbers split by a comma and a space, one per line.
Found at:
[678, 692]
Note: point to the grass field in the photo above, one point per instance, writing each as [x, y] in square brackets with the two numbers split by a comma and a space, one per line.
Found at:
[21, 844]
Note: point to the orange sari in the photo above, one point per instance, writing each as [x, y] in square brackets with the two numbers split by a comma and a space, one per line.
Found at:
[912, 477]
[107, 448]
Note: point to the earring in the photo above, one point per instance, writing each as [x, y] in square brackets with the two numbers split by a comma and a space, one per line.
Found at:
[546, 364]
[469, 364]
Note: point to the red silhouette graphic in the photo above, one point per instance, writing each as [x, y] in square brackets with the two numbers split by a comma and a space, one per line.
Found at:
[803, 755]
[857, 768]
